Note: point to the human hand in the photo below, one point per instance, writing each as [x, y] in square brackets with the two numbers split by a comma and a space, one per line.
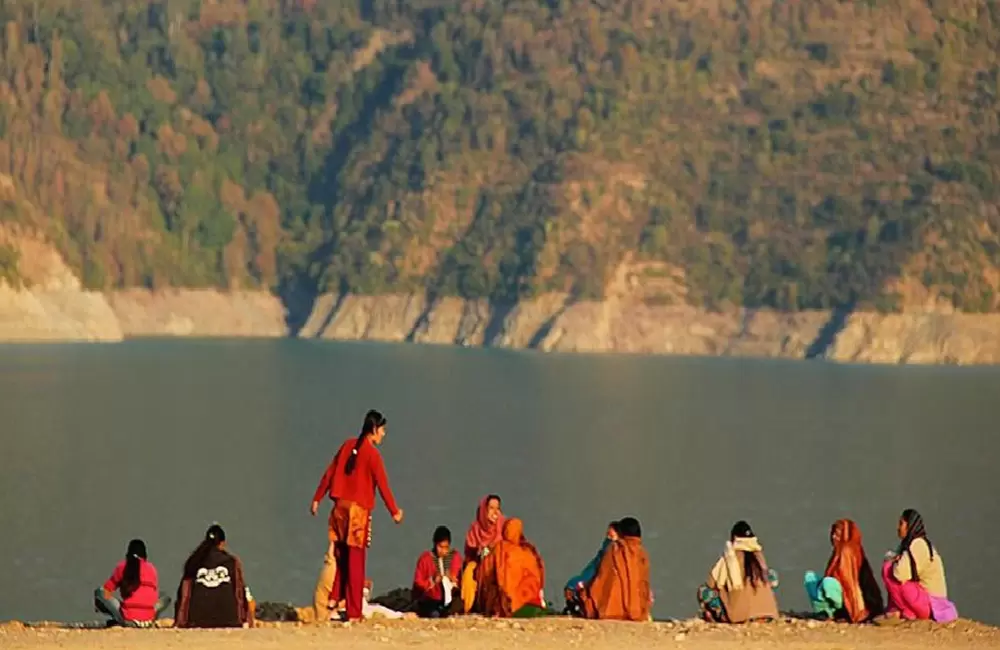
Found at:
[314, 508]
[398, 517]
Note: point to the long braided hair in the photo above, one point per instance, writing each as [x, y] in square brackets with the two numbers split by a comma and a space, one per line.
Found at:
[131, 578]
[214, 536]
[373, 421]
[753, 571]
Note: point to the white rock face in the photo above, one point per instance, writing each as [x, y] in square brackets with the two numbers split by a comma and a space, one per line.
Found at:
[553, 323]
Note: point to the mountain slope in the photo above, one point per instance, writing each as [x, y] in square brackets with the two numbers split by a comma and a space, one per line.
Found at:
[764, 153]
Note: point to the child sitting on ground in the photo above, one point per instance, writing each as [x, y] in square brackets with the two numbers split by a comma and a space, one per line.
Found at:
[436, 578]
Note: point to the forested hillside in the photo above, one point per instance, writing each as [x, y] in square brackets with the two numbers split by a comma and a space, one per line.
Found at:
[793, 154]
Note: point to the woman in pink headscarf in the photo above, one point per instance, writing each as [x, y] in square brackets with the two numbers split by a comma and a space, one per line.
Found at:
[485, 531]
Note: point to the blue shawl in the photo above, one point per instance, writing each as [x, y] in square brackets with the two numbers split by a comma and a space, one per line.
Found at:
[589, 571]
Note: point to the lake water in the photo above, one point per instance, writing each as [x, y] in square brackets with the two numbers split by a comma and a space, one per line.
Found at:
[158, 439]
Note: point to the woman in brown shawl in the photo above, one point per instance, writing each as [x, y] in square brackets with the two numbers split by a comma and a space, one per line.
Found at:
[213, 592]
[620, 589]
[512, 576]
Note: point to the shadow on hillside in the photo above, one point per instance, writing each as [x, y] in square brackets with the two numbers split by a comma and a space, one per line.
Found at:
[298, 303]
[499, 311]
[324, 188]
[828, 334]
[300, 295]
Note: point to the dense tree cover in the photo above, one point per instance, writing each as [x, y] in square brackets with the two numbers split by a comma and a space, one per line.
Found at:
[793, 154]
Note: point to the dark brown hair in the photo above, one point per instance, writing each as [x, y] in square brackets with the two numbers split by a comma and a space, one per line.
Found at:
[373, 420]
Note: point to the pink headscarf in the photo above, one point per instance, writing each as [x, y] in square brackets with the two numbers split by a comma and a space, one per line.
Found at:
[482, 533]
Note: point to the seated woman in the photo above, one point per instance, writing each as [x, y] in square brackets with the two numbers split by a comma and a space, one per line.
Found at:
[484, 532]
[135, 578]
[436, 578]
[512, 576]
[212, 592]
[848, 590]
[576, 585]
[740, 587]
[914, 576]
[620, 588]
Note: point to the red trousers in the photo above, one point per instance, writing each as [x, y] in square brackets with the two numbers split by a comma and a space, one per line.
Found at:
[349, 584]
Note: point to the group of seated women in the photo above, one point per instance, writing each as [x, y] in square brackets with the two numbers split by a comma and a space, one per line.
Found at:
[741, 587]
[501, 574]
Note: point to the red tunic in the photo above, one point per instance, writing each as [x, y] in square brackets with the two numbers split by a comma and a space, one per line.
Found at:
[359, 487]
[427, 570]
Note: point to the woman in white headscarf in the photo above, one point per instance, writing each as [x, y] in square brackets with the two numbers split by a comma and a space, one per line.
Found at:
[740, 587]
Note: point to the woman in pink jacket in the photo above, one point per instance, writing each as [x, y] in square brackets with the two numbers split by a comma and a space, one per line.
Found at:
[138, 584]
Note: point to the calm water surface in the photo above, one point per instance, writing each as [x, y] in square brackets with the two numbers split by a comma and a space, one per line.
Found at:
[158, 439]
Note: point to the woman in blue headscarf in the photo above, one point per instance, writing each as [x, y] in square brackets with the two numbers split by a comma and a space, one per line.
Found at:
[575, 586]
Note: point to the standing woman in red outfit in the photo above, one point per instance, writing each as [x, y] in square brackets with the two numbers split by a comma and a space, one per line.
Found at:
[350, 481]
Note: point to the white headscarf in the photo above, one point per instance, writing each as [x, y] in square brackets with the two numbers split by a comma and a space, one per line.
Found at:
[727, 574]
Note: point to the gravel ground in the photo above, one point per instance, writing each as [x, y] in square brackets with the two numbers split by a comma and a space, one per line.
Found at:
[471, 633]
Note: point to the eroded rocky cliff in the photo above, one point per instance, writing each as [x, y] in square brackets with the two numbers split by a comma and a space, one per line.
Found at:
[45, 301]
[48, 303]
[198, 313]
[554, 323]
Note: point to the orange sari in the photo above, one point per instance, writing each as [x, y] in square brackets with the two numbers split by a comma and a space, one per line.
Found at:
[512, 575]
[848, 564]
[620, 589]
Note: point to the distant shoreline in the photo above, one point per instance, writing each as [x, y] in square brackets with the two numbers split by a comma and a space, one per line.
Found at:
[549, 323]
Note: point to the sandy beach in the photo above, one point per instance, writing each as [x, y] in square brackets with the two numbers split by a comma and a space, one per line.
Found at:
[480, 634]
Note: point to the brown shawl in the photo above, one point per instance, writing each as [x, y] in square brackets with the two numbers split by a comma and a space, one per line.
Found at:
[620, 589]
[214, 613]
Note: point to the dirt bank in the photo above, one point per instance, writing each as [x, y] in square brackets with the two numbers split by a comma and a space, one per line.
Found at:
[198, 312]
[46, 301]
[479, 634]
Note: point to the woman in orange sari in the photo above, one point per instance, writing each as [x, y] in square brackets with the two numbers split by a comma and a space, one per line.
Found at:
[512, 576]
[848, 590]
